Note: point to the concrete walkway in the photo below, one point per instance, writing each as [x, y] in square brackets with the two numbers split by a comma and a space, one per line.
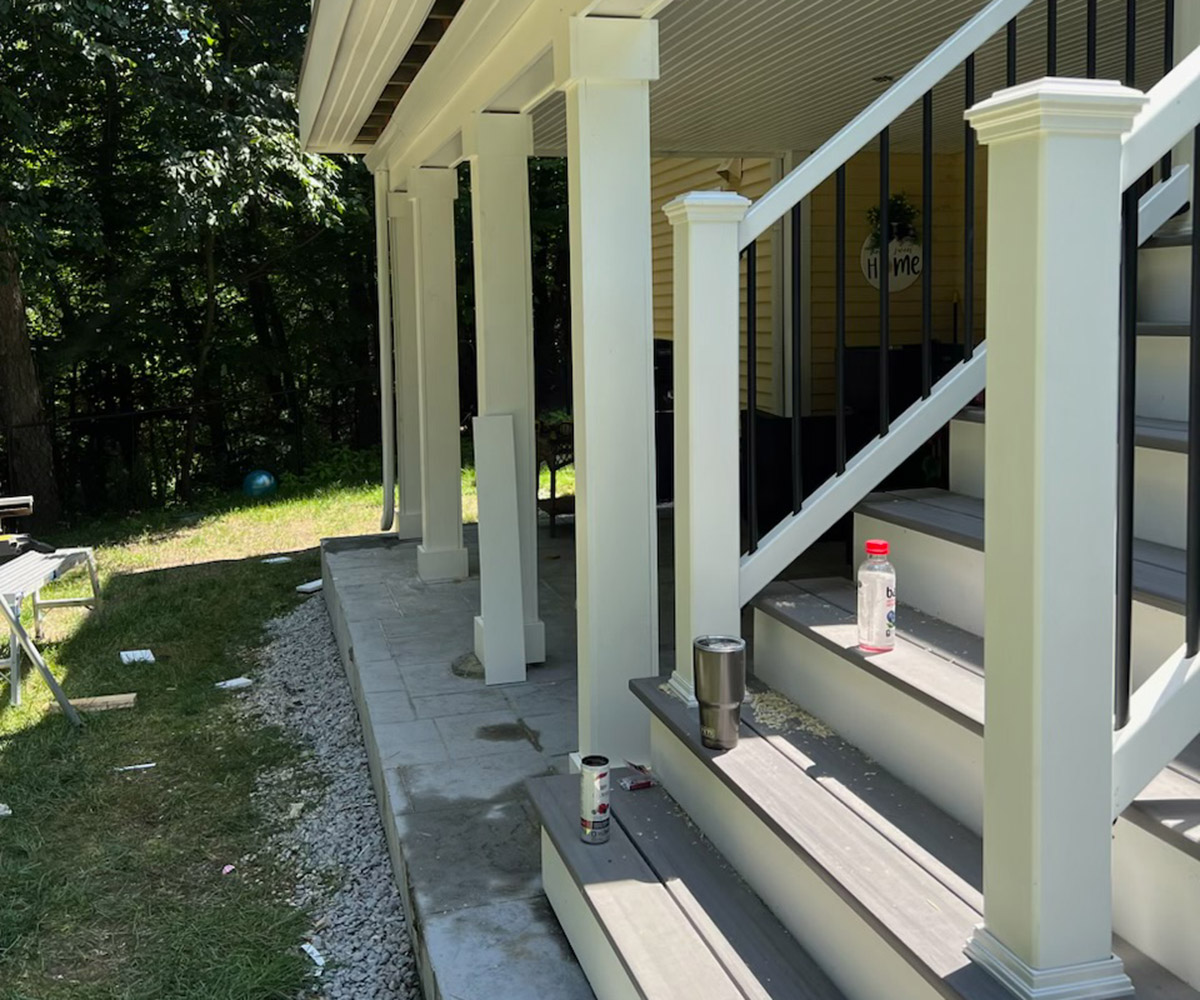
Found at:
[449, 757]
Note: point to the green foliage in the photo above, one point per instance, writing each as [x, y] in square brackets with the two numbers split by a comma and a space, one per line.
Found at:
[200, 290]
[903, 217]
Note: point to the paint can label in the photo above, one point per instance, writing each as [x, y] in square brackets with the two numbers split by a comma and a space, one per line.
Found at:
[594, 816]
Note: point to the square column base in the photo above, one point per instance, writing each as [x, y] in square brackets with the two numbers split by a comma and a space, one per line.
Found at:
[1104, 979]
[407, 526]
[435, 565]
[535, 640]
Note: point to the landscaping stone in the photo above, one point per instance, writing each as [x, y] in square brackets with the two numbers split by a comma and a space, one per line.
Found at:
[326, 817]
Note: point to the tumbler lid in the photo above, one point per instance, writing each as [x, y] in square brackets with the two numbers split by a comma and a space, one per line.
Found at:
[720, 643]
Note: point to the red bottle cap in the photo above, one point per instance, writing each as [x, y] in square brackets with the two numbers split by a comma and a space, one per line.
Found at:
[877, 547]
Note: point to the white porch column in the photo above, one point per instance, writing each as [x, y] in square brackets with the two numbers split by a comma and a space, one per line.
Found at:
[1052, 316]
[387, 382]
[498, 147]
[604, 65]
[441, 555]
[404, 338]
[707, 518]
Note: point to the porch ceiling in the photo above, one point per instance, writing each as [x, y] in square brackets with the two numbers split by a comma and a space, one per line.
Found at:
[742, 77]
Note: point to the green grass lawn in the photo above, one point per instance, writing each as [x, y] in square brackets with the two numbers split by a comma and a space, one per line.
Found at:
[110, 883]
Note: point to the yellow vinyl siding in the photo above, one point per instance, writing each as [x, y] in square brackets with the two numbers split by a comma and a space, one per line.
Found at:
[862, 299]
[673, 176]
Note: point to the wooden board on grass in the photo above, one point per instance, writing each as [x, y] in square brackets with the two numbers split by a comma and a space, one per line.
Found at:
[104, 703]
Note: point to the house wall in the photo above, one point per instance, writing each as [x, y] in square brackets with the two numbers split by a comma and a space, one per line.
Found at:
[862, 299]
[673, 176]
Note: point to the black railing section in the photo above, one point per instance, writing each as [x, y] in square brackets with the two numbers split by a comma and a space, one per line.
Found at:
[1127, 445]
[876, 375]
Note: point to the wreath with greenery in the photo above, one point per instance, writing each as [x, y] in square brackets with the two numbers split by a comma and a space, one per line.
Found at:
[903, 217]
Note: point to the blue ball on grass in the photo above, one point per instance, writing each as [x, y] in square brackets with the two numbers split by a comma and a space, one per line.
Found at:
[259, 483]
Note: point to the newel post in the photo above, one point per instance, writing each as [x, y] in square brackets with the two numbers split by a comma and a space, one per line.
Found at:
[707, 538]
[1053, 266]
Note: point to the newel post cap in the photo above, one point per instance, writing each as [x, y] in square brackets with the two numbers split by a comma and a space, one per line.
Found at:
[1059, 105]
[707, 206]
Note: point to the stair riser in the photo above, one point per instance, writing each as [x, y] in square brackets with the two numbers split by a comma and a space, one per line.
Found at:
[1159, 483]
[917, 743]
[1156, 887]
[854, 955]
[1156, 899]
[595, 952]
[1164, 280]
[1162, 366]
[945, 579]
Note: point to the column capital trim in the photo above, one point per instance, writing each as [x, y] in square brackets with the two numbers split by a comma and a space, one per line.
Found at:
[433, 183]
[707, 206]
[493, 133]
[1056, 105]
[605, 49]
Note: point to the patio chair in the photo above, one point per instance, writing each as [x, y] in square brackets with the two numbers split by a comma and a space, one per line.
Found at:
[24, 575]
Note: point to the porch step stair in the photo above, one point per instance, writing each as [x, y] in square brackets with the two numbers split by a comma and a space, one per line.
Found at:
[919, 711]
[665, 906]
[1149, 432]
[864, 870]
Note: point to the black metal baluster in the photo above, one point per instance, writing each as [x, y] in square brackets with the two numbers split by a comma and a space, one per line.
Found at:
[1091, 39]
[926, 245]
[1164, 165]
[885, 268]
[1051, 37]
[1126, 391]
[839, 320]
[968, 302]
[752, 392]
[1192, 637]
[1130, 42]
[1010, 54]
[797, 471]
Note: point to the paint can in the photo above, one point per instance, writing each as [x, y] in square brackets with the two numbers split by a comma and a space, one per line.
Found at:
[593, 799]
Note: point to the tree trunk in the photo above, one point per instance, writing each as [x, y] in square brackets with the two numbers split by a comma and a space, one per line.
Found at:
[22, 415]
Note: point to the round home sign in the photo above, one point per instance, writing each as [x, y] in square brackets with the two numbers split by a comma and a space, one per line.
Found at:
[905, 259]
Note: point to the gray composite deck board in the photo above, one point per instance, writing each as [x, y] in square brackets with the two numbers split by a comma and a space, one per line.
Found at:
[1158, 577]
[655, 941]
[923, 920]
[759, 954]
[881, 877]
[945, 685]
[1163, 329]
[1149, 432]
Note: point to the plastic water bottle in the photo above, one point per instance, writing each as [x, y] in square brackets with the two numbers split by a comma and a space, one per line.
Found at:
[876, 600]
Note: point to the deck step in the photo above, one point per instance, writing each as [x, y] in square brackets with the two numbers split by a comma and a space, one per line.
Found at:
[1149, 432]
[1159, 577]
[671, 908]
[910, 873]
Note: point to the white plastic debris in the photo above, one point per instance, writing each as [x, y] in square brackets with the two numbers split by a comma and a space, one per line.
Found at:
[136, 767]
[5, 811]
[296, 809]
[316, 956]
[129, 656]
[275, 560]
[310, 588]
[233, 684]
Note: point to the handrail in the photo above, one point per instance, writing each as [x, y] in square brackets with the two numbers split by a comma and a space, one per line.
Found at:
[872, 120]
[1169, 116]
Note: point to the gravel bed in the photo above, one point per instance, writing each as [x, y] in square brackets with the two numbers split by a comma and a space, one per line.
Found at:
[325, 812]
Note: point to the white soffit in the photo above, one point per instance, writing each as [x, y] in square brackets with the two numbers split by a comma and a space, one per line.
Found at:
[351, 67]
[743, 77]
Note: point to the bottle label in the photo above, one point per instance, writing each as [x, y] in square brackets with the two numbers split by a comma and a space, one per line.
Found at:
[876, 611]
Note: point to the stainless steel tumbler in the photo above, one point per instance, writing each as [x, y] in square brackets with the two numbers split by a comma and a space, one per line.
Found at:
[719, 667]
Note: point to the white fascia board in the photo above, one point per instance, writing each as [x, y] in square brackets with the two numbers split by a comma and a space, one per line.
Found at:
[320, 51]
[507, 42]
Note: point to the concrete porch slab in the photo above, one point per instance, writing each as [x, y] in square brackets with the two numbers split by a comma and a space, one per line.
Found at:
[449, 757]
